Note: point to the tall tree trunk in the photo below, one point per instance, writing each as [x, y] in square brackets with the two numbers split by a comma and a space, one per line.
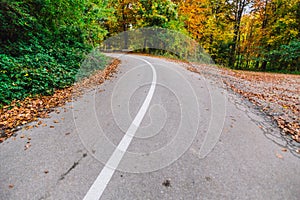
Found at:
[263, 29]
[125, 26]
[238, 13]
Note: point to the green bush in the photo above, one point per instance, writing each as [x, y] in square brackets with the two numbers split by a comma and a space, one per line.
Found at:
[286, 58]
[42, 46]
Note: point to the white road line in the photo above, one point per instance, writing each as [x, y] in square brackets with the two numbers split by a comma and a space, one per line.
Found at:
[99, 185]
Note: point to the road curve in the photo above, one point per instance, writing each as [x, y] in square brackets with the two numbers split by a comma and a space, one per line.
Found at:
[154, 131]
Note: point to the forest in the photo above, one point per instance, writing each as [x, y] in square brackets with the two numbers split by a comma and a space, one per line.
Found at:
[44, 42]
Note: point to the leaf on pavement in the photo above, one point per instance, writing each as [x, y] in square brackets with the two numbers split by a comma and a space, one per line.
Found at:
[279, 156]
[27, 146]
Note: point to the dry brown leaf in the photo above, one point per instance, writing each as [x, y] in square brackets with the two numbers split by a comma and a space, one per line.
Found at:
[28, 127]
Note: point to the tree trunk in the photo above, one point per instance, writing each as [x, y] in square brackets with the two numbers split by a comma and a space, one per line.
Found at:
[239, 9]
[125, 27]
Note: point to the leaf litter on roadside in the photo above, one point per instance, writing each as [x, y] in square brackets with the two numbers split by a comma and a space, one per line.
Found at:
[278, 95]
[13, 117]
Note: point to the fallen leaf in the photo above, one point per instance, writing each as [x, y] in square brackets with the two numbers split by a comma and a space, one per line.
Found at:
[27, 146]
[29, 127]
[279, 156]
[284, 149]
[55, 121]
[51, 126]
[10, 186]
[46, 171]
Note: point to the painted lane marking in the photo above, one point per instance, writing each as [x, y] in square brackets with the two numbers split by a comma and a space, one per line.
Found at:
[96, 190]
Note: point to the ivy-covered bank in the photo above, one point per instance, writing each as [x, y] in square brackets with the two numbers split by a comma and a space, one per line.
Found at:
[43, 44]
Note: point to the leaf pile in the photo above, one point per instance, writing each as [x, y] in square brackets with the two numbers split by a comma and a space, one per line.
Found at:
[13, 117]
[278, 95]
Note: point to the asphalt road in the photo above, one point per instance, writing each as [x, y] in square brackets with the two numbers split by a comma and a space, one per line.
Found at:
[154, 131]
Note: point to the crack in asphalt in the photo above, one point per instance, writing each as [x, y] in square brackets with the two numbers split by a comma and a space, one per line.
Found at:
[267, 125]
[62, 177]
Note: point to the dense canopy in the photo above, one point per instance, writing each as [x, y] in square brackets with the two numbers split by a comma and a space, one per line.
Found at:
[43, 42]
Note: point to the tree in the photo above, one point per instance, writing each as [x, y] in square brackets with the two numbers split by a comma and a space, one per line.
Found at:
[238, 9]
[270, 26]
[43, 43]
[208, 23]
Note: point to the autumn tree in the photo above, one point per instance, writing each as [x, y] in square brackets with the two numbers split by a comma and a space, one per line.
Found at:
[271, 27]
[208, 23]
[238, 8]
